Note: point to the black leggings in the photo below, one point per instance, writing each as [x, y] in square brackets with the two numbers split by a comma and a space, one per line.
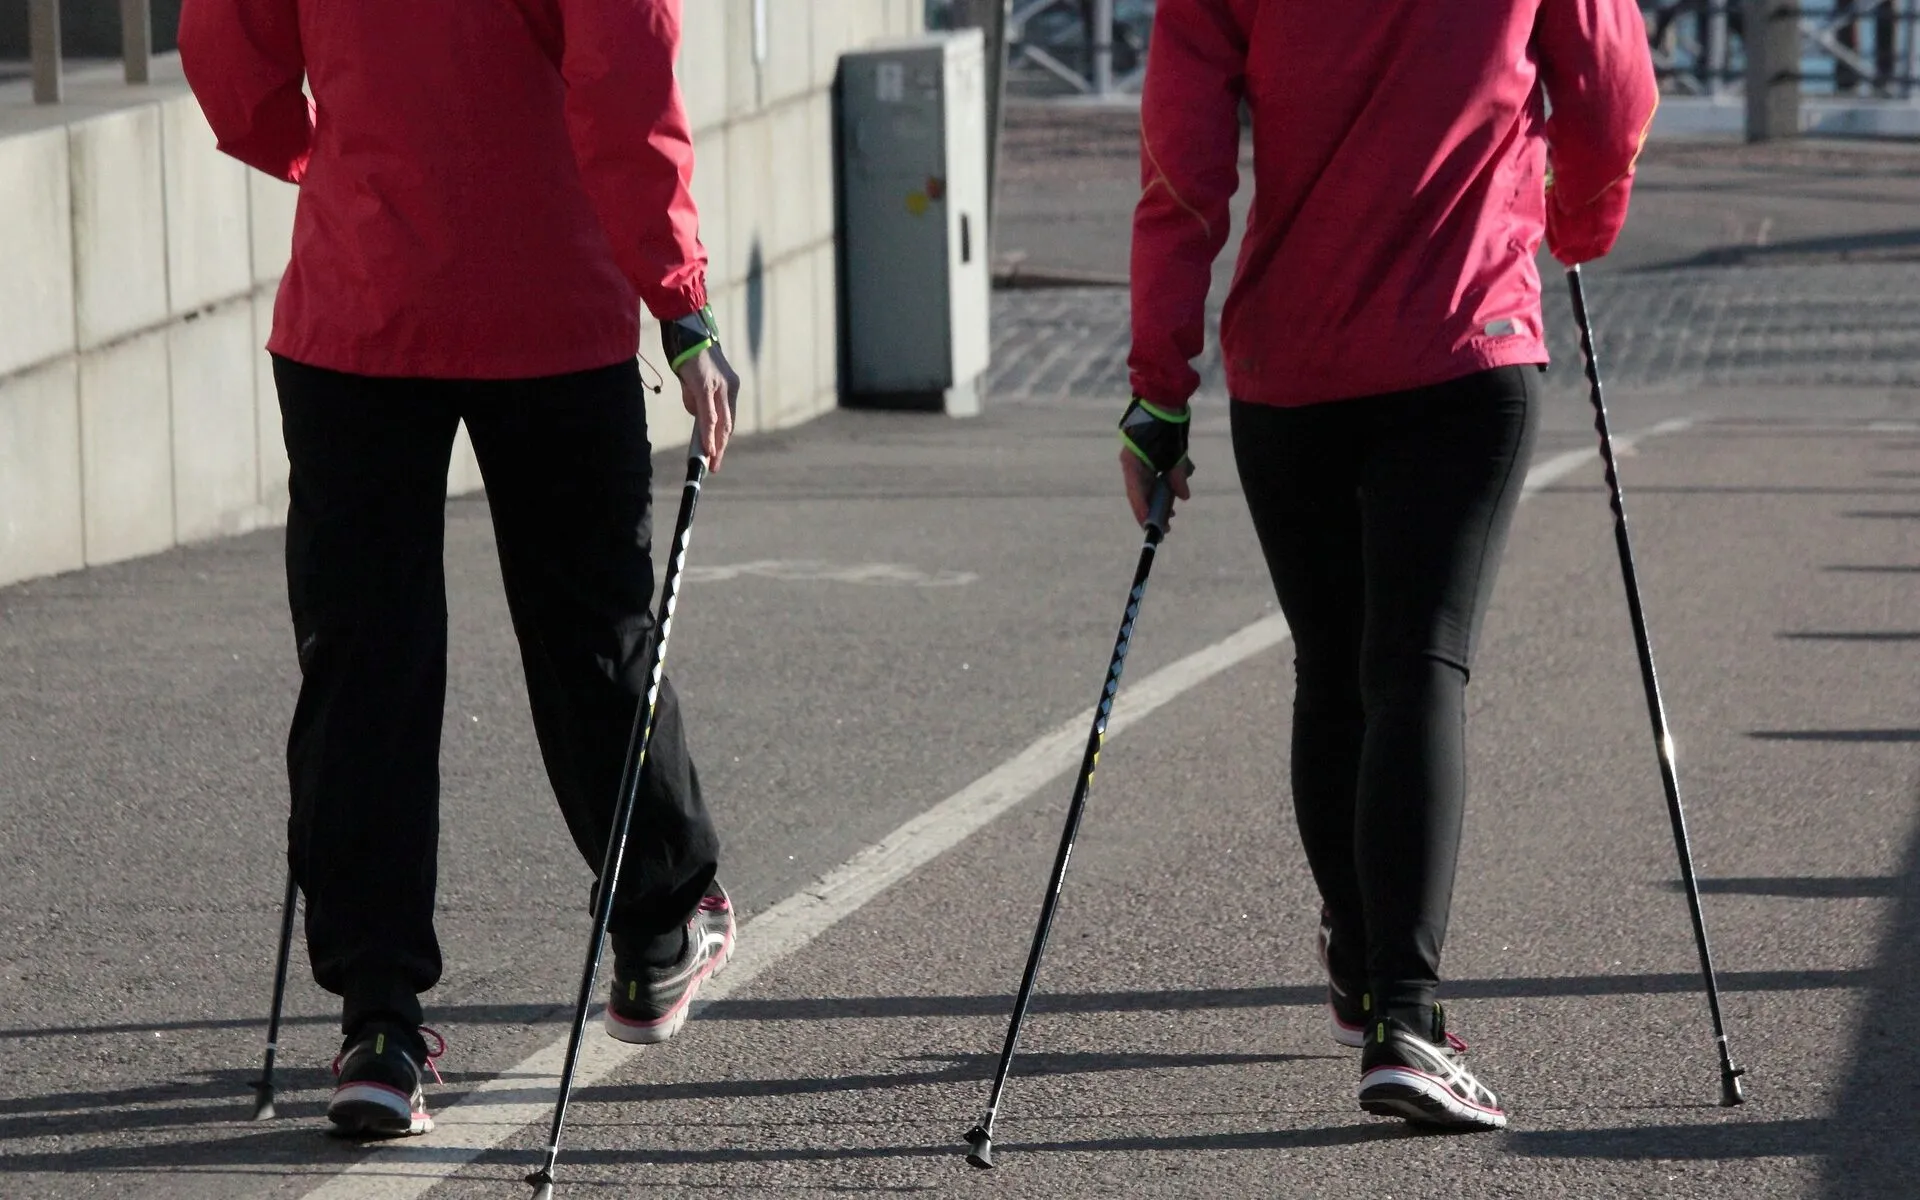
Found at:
[1382, 520]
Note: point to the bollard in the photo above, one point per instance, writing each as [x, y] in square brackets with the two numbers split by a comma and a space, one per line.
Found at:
[136, 39]
[1773, 69]
[43, 35]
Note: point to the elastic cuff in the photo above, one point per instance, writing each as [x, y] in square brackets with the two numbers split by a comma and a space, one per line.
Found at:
[1409, 1003]
[1178, 416]
[689, 354]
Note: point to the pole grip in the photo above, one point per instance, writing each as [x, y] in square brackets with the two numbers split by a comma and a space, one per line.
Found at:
[1160, 507]
[1160, 504]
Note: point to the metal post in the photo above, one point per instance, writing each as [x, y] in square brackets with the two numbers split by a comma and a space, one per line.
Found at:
[1913, 48]
[43, 36]
[992, 18]
[136, 39]
[1103, 48]
[1717, 48]
[1773, 69]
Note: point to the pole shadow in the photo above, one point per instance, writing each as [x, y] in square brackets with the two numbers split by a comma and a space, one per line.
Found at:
[1867, 1145]
[1835, 735]
[1811, 887]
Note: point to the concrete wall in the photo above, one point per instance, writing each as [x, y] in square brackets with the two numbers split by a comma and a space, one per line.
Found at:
[138, 267]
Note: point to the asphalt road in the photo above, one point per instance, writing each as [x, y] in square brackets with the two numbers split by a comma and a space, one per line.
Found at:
[1180, 1050]
[887, 608]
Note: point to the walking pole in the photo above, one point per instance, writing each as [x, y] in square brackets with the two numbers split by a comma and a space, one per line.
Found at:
[1731, 1092]
[642, 736]
[980, 1137]
[263, 1086]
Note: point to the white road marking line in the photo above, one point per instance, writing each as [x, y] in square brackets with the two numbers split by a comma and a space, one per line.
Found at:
[524, 1094]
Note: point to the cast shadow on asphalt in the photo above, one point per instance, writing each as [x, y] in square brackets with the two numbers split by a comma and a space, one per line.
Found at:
[221, 1099]
[1868, 1146]
[1827, 887]
[218, 1102]
[959, 1068]
[481, 1014]
[1739, 489]
[1889, 246]
[1875, 1104]
[1278, 1139]
[1835, 735]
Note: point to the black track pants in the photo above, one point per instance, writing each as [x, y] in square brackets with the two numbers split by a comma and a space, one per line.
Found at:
[1383, 520]
[567, 472]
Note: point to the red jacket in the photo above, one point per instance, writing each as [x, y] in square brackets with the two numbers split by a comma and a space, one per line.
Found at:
[1400, 184]
[488, 188]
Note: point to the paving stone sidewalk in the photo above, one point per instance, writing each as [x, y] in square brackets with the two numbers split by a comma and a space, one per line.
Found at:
[1818, 325]
[1794, 264]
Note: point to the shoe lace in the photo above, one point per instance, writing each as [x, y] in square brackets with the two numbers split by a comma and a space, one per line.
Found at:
[440, 1047]
[433, 1055]
[1456, 1043]
[712, 904]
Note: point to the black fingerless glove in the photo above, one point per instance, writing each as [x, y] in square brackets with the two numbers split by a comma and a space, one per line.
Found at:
[688, 336]
[1156, 436]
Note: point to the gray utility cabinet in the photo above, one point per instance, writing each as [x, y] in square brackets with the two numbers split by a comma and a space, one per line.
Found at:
[913, 177]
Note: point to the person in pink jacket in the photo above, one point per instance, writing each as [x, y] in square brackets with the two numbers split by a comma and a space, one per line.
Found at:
[1382, 341]
[488, 193]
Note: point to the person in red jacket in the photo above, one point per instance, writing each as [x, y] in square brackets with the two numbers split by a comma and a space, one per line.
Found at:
[488, 192]
[1381, 340]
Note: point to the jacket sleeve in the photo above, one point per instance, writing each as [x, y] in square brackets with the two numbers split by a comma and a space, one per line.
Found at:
[245, 65]
[1189, 170]
[1598, 73]
[634, 146]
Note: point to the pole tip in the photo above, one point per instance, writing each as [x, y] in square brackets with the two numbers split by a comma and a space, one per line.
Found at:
[981, 1155]
[542, 1184]
[543, 1192]
[1732, 1094]
[263, 1104]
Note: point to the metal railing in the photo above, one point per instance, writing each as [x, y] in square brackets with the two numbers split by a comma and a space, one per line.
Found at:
[1865, 49]
[43, 41]
[1033, 36]
[1868, 49]
[1094, 47]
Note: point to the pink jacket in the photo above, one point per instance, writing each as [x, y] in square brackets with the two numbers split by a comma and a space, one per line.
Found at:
[1401, 152]
[487, 190]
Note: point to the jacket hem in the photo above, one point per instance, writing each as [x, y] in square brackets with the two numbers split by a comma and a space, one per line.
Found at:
[455, 366]
[1511, 352]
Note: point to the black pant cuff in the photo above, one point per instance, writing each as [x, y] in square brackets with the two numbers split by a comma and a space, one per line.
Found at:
[379, 998]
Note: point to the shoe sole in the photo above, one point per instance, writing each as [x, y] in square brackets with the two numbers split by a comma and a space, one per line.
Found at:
[1420, 1098]
[375, 1110]
[653, 1033]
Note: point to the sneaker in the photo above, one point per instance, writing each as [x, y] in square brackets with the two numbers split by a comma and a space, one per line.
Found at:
[1346, 1004]
[1422, 1078]
[649, 1003]
[379, 1091]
